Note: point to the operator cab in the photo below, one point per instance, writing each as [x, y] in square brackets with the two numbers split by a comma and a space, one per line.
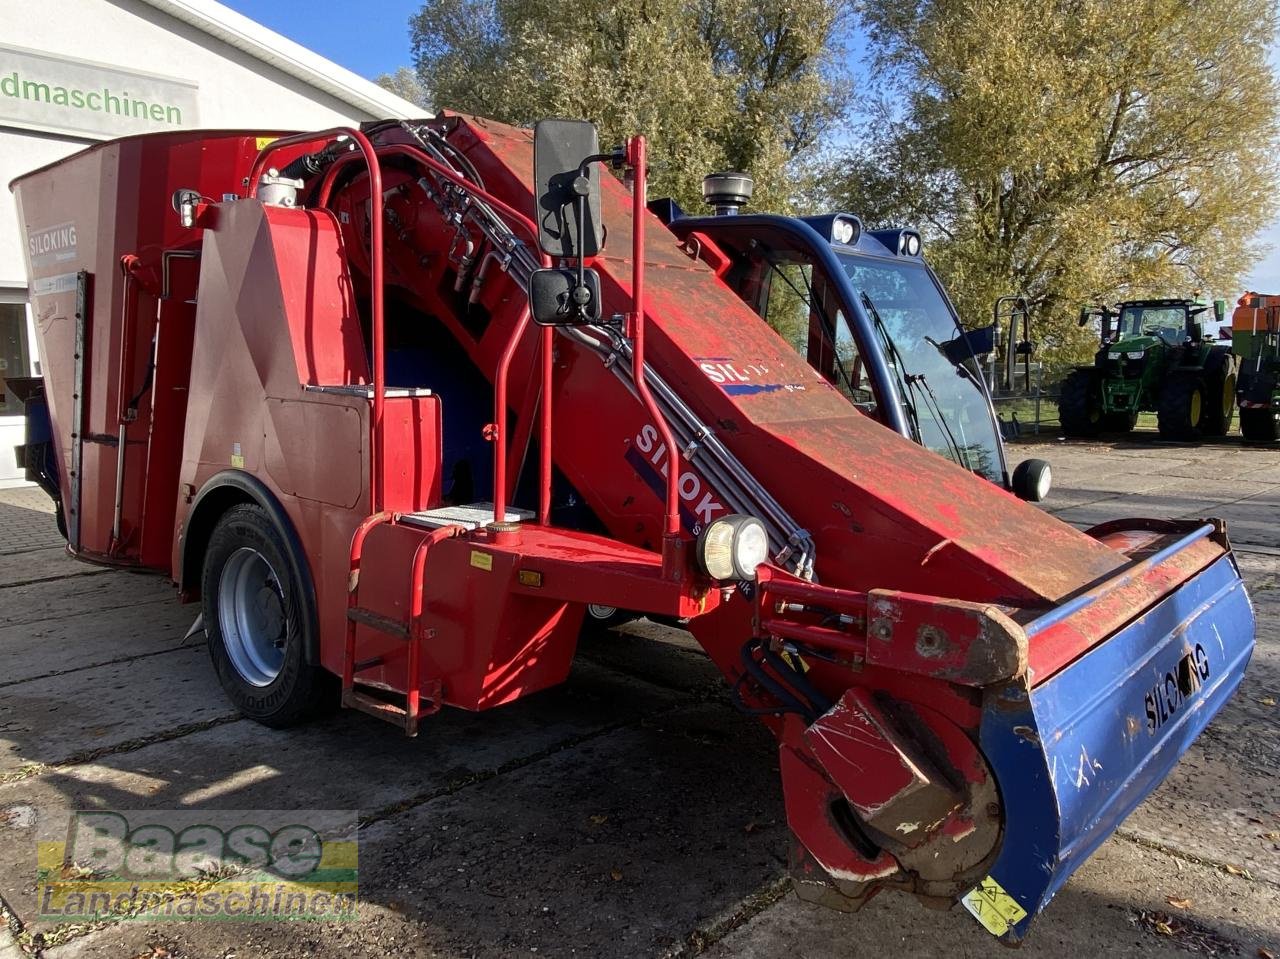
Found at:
[869, 314]
[1169, 320]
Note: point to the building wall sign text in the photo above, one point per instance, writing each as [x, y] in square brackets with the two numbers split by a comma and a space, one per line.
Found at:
[41, 91]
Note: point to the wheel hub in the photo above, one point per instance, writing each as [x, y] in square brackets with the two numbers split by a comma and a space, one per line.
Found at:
[251, 616]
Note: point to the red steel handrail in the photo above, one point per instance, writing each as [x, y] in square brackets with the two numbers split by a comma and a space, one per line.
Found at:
[544, 478]
[417, 607]
[671, 528]
[377, 439]
[636, 157]
[353, 587]
[497, 431]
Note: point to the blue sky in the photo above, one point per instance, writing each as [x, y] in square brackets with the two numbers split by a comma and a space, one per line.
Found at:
[368, 38]
[379, 42]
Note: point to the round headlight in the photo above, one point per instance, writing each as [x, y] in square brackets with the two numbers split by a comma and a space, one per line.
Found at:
[732, 547]
[842, 232]
[1032, 480]
[912, 244]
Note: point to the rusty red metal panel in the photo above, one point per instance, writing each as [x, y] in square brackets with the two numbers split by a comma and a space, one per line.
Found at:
[975, 644]
[885, 777]
[1119, 601]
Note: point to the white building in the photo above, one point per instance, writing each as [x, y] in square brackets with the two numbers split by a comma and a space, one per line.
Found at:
[73, 72]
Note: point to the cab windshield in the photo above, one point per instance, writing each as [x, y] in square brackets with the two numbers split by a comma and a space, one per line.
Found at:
[933, 363]
[1167, 322]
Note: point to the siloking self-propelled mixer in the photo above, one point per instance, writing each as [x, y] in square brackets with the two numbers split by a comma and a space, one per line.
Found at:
[396, 404]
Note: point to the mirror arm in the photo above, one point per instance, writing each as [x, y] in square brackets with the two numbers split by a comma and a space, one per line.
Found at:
[581, 203]
[581, 186]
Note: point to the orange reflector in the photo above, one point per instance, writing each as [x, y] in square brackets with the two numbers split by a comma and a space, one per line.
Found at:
[530, 577]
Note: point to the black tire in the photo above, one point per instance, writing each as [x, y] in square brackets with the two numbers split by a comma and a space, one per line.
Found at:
[600, 619]
[1220, 394]
[1182, 404]
[299, 690]
[1080, 404]
[60, 517]
[1259, 425]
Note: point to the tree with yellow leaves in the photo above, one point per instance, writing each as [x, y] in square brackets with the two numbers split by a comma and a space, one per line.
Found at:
[1071, 150]
[713, 84]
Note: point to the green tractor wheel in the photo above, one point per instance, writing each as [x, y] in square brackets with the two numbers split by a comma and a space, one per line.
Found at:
[1220, 397]
[1182, 407]
[1080, 404]
[1259, 425]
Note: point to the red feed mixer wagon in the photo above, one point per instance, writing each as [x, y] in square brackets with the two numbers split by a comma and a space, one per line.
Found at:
[395, 405]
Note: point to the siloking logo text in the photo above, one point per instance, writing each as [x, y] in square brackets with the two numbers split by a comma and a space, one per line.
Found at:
[1175, 687]
[187, 864]
[699, 504]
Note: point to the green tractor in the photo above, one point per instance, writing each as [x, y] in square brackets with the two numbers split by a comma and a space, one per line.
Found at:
[1154, 358]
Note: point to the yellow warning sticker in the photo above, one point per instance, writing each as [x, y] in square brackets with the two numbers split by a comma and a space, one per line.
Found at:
[795, 661]
[237, 461]
[481, 560]
[993, 907]
[265, 141]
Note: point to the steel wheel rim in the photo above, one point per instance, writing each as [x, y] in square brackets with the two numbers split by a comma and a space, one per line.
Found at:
[1195, 407]
[597, 611]
[251, 616]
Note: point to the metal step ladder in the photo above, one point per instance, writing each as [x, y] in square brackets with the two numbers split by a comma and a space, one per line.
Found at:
[444, 524]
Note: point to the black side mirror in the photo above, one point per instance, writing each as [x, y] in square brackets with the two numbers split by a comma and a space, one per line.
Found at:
[1085, 313]
[567, 197]
[556, 298]
[1220, 310]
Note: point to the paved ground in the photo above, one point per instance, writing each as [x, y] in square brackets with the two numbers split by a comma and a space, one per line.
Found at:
[630, 812]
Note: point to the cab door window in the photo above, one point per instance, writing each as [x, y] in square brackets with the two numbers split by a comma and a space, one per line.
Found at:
[803, 307]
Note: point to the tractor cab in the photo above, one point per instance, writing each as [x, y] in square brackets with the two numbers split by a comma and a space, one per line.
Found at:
[1171, 322]
[867, 312]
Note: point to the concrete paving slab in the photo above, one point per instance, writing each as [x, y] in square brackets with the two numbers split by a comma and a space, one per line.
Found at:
[37, 565]
[48, 601]
[1260, 570]
[1223, 471]
[93, 638]
[1212, 811]
[1254, 520]
[1249, 521]
[57, 718]
[1098, 913]
[346, 762]
[621, 846]
[678, 661]
[1118, 481]
[1270, 473]
[23, 528]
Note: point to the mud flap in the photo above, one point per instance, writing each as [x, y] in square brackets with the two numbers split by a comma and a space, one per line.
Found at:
[1074, 755]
